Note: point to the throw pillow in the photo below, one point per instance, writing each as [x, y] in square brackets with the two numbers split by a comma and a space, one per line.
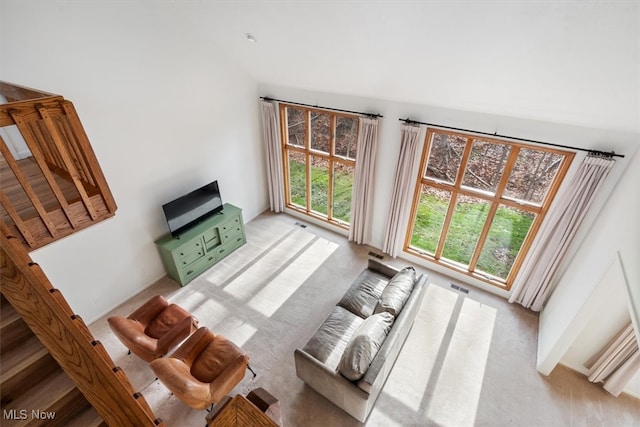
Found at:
[363, 294]
[397, 291]
[364, 345]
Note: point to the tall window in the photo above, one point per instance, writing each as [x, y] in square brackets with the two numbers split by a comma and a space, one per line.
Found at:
[319, 152]
[479, 202]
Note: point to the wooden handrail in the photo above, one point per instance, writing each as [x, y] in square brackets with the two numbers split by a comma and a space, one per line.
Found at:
[16, 92]
[54, 135]
[68, 339]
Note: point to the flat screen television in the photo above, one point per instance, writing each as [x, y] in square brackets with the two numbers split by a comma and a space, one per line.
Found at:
[192, 207]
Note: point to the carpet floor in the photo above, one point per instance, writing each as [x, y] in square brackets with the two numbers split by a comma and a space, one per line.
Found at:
[469, 358]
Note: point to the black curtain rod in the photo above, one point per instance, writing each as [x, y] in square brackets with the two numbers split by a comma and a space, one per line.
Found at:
[597, 152]
[266, 98]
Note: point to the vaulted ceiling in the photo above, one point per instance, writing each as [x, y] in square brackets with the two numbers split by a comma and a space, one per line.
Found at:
[575, 62]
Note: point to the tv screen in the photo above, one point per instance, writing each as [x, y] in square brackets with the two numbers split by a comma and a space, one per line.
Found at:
[192, 207]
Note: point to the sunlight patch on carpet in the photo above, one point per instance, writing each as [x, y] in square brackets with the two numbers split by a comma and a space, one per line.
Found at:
[241, 333]
[414, 366]
[209, 312]
[258, 274]
[457, 392]
[259, 243]
[274, 295]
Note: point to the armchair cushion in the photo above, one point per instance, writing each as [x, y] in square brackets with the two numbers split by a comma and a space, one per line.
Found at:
[154, 328]
[164, 321]
[203, 369]
[215, 358]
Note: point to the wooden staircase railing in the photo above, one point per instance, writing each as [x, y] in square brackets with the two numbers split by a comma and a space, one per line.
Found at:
[67, 338]
[60, 187]
[31, 378]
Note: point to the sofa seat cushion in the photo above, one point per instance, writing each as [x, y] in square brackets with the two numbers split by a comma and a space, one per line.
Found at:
[332, 337]
[396, 293]
[364, 345]
[363, 295]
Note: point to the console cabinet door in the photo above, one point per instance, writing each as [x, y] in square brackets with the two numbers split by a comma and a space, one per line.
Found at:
[203, 245]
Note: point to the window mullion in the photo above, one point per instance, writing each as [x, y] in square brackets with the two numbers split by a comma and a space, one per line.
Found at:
[494, 207]
[332, 126]
[307, 145]
[454, 199]
[463, 163]
[285, 157]
[483, 236]
[445, 225]
[507, 171]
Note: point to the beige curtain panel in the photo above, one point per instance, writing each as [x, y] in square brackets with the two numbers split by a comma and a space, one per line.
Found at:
[618, 362]
[402, 185]
[534, 283]
[271, 137]
[360, 229]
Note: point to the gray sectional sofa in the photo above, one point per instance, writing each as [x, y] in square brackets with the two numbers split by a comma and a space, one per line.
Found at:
[350, 356]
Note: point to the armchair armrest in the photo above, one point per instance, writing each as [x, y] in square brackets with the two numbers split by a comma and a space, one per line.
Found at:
[176, 376]
[193, 346]
[131, 333]
[177, 333]
[227, 380]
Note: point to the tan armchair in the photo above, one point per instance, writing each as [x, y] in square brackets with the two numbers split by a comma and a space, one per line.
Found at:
[154, 328]
[203, 369]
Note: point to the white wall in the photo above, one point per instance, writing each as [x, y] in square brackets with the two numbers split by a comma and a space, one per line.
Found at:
[616, 230]
[389, 145]
[165, 113]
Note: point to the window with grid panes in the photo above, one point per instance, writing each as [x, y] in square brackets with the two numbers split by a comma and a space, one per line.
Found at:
[319, 152]
[479, 202]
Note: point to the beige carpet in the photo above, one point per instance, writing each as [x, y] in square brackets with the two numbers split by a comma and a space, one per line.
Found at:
[469, 359]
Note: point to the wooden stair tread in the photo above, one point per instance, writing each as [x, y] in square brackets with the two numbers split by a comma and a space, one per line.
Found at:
[50, 390]
[8, 315]
[19, 358]
[87, 418]
[13, 330]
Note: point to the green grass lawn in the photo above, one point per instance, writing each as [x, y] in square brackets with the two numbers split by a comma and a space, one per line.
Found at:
[506, 234]
[342, 187]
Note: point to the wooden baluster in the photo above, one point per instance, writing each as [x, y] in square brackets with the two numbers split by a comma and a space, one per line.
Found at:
[26, 186]
[92, 161]
[66, 159]
[15, 216]
[44, 167]
[80, 158]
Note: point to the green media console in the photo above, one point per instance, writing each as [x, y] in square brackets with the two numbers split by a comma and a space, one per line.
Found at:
[203, 245]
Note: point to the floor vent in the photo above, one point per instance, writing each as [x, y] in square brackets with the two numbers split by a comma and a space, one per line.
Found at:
[459, 288]
[375, 255]
[301, 225]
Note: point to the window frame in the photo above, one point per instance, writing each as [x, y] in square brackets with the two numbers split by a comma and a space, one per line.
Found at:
[495, 201]
[309, 152]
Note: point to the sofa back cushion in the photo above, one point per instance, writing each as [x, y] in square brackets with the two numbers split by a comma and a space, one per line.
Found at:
[364, 345]
[328, 343]
[396, 293]
[363, 294]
